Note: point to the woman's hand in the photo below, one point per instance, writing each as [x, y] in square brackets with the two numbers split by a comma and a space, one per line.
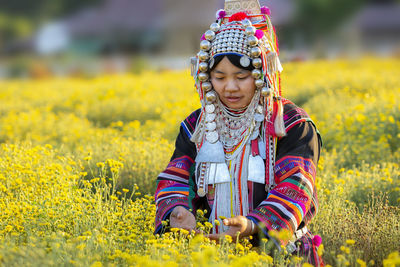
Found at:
[238, 224]
[182, 218]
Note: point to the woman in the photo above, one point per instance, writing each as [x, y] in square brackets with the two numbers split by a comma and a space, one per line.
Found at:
[248, 155]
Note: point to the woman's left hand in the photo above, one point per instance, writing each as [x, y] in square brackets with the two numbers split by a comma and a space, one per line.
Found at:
[238, 224]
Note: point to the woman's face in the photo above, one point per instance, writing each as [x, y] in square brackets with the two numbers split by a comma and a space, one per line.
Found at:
[234, 86]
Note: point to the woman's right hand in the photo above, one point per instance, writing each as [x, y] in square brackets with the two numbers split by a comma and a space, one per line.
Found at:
[182, 218]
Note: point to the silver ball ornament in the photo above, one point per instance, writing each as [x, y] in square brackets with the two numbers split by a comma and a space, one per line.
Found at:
[205, 45]
[215, 27]
[246, 23]
[266, 92]
[203, 66]
[255, 52]
[252, 40]
[207, 86]
[257, 63]
[256, 73]
[259, 83]
[250, 30]
[203, 56]
[203, 76]
[211, 96]
[209, 35]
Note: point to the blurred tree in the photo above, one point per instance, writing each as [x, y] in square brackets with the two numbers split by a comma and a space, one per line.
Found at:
[317, 18]
[18, 18]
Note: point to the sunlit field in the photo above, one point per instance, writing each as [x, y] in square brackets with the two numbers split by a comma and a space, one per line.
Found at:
[79, 159]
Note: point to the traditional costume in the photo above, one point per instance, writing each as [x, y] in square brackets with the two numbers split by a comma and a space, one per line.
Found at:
[260, 161]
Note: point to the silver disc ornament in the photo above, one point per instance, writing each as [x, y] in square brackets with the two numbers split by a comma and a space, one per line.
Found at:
[210, 117]
[245, 61]
[210, 108]
[212, 137]
[211, 126]
[259, 117]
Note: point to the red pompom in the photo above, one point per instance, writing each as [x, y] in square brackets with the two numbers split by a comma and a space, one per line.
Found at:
[238, 17]
[317, 240]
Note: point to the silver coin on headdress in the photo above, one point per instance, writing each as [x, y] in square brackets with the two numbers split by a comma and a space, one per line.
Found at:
[245, 61]
[211, 63]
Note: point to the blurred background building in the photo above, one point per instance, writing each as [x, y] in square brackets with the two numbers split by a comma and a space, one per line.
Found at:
[93, 36]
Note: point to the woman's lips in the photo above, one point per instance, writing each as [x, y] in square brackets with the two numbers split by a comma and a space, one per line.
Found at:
[233, 98]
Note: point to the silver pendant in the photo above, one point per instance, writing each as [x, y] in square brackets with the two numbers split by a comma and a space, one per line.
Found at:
[211, 126]
[211, 63]
[201, 192]
[212, 137]
[210, 117]
[259, 117]
[210, 108]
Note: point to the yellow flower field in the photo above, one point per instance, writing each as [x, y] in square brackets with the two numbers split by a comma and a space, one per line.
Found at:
[79, 159]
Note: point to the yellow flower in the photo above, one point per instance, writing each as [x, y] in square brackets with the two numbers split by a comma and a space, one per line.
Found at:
[361, 263]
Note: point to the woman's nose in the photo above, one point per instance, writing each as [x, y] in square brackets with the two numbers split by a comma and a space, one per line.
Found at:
[231, 85]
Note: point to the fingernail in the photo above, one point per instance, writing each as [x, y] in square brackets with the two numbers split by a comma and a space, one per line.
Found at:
[225, 221]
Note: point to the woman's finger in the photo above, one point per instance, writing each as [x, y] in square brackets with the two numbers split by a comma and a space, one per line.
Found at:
[214, 236]
[231, 221]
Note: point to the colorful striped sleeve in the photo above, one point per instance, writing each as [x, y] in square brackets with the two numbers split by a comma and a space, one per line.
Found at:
[293, 201]
[173, 183]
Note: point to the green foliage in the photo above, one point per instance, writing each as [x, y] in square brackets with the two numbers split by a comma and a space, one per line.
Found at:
[318, 17]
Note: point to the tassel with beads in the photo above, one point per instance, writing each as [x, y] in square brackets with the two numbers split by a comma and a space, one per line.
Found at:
[279, 123]
[271, 62]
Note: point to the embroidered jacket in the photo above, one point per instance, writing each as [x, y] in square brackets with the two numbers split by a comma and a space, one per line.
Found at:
[290, 205]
